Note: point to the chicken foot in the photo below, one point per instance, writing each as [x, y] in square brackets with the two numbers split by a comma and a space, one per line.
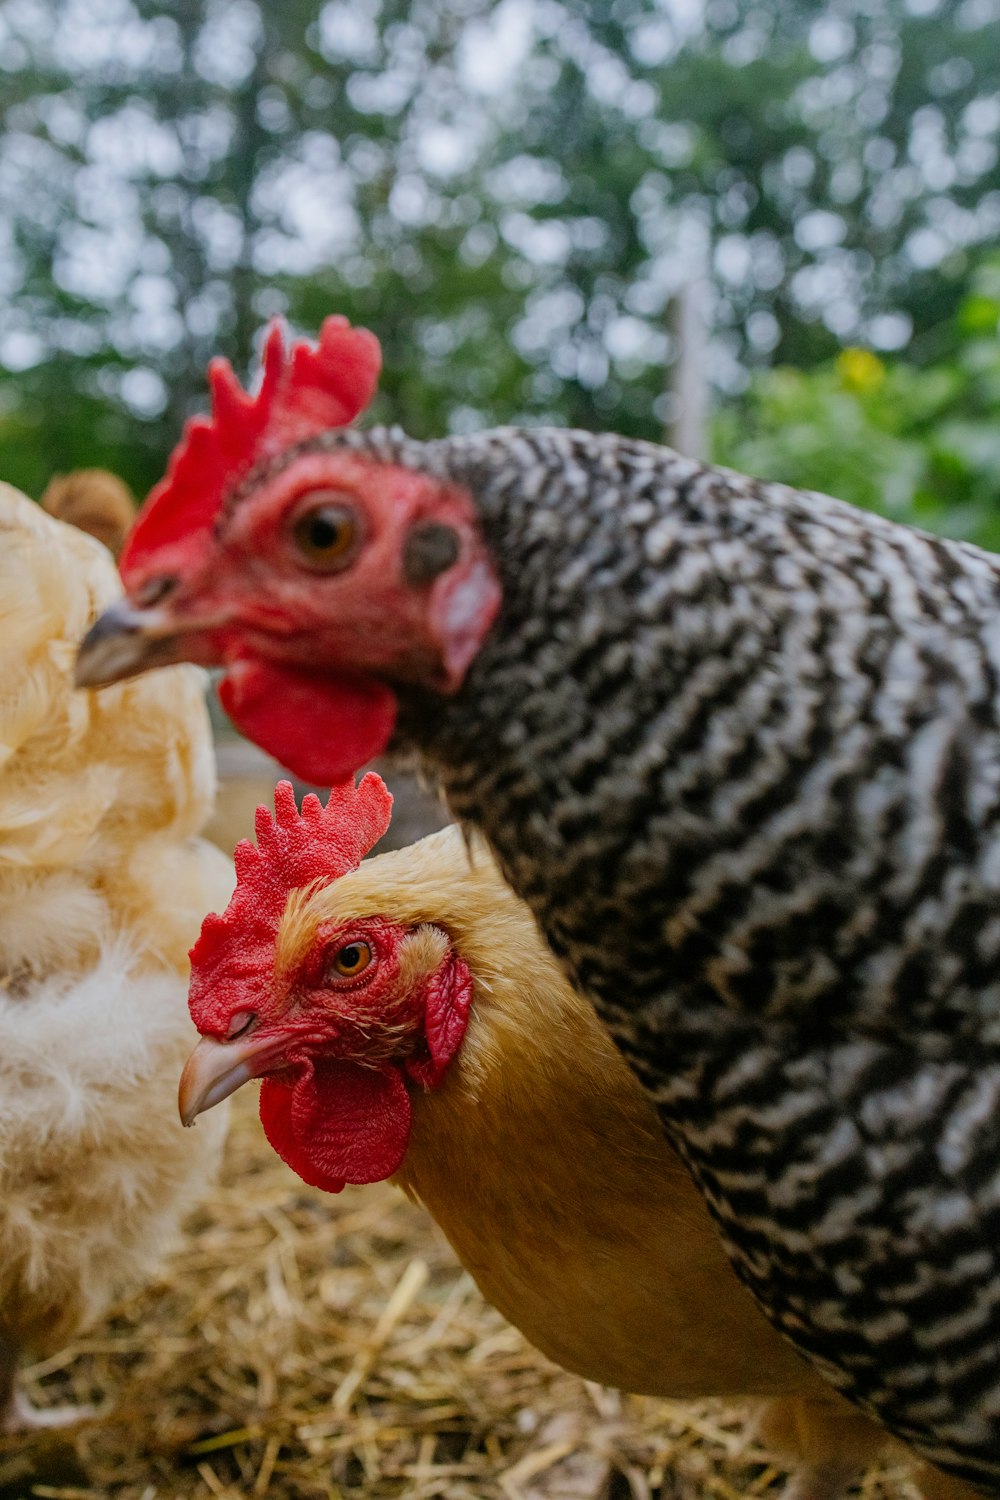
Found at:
[822, 1481]
[826, 1444]
[18, 1414]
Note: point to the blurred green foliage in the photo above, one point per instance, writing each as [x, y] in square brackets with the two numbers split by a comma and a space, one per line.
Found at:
[511, 195]
[918, 443]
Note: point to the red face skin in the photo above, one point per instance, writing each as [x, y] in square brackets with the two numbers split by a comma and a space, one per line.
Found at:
[313, 643]
[336, 1052]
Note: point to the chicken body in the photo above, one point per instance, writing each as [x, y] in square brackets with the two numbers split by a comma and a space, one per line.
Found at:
[102, 887]
[543, 1162]
[93, 500]
[739, 749]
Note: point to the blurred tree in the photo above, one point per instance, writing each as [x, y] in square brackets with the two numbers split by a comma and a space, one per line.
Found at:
[165, 171]
[834, 164]
[920, 444]
[509, 194]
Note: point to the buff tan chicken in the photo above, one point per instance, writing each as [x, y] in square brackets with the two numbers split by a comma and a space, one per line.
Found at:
[93, 500]
[408, 1022]
[103, 883]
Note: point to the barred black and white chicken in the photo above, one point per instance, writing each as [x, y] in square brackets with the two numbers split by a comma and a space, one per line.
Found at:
[738, 747]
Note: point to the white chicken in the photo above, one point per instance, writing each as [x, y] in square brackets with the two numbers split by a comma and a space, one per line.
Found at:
[103, 883]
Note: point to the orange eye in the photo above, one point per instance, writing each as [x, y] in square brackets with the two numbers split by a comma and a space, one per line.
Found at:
[326, 534]
[352, 959]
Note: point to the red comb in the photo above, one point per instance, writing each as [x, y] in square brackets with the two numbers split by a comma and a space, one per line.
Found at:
[292, 850]
[304, 391]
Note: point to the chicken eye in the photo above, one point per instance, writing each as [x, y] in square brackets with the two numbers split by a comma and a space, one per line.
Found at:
[239, 1023]
[326, 534]
[351, 959]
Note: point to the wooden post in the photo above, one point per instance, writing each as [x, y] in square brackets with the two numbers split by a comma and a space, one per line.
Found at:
[687, 430]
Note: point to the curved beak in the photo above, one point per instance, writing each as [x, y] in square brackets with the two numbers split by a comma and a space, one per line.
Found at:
[217, 1069]
[125, 641]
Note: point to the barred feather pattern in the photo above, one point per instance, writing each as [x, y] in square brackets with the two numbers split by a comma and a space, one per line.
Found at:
[738, 747]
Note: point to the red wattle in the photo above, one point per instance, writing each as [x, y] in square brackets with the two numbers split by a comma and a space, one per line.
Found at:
[340, 1123]
[321, 728]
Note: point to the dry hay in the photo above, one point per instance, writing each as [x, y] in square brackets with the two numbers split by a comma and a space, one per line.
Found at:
[311, 1346]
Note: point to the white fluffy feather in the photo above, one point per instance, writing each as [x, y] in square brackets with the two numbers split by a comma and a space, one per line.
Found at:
[95, 1168]
[103, 884]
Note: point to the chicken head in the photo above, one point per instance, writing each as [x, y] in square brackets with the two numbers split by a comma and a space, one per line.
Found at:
[338, 1019]
[268, 550]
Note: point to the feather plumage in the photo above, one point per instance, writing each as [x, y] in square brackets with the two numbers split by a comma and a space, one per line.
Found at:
[102, 886]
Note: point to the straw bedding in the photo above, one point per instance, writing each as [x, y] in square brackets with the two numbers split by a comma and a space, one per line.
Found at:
[306, 1346]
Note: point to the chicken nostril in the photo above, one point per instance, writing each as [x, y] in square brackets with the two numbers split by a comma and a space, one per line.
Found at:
[239, 1024]
[154, 590]
[429, 550]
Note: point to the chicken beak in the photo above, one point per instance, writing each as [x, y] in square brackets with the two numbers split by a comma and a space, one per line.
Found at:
[214, 1071]
[125, 641]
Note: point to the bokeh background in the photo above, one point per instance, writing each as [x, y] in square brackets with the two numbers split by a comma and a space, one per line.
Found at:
[766, 229]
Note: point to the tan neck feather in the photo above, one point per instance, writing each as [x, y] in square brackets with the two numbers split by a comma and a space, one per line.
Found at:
[537, 1077]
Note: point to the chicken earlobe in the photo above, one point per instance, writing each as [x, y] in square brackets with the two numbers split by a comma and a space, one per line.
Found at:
[448, 998]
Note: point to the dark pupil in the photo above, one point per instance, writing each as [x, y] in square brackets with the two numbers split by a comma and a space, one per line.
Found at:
[350, 956]
[323, 532]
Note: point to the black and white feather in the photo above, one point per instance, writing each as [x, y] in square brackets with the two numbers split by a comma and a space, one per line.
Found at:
[739, 748]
